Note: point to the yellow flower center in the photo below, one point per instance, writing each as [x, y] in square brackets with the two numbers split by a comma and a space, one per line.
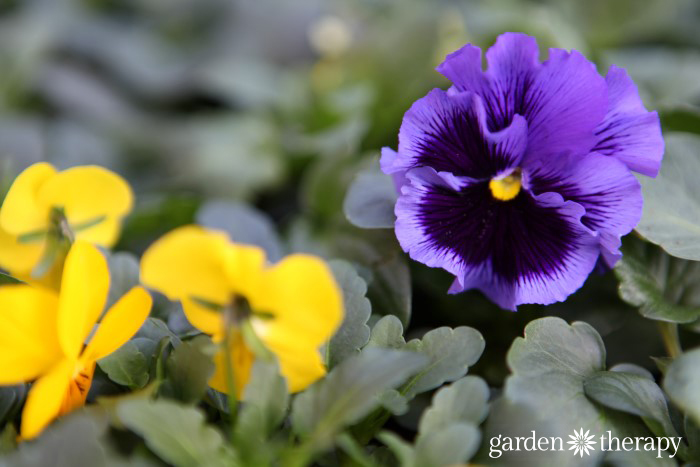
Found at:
[508, 187]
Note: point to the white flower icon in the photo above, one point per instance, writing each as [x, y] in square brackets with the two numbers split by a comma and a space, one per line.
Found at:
[581, 442]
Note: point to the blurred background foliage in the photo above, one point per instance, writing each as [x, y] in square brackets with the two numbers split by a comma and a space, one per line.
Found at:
[255, 116]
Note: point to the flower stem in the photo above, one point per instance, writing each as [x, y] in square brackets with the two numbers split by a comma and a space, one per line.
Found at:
[230, 381]
[669, 335]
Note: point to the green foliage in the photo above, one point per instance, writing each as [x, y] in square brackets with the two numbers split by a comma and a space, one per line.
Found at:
[176, 433]
[123, 275]
[11, 399]
[370, 201]
[682, 381]
[554, 368]
[671, 215]
[188, 370]
[266, 404]
[661, 286]
[127, 366]
[6, 279]
[243, 224]
[634, 394]
[349, 392]
[70, 442]
[354, 332]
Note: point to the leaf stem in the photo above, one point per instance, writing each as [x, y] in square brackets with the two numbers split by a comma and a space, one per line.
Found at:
[669, 335]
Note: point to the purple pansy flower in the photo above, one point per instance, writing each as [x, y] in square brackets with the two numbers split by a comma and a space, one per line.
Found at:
[519, 178]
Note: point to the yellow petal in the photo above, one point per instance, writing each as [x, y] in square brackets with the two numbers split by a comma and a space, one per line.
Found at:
[105, 233]
[16, 257]
[83, 295]
[87, 193]
[206, 320]
[245, 268]
[119, 324]
[186, 263]
[23, 210]
[28, 341]
[303, 300]
[300, 367]
[45, 399]
[241, 361]
[78, 388]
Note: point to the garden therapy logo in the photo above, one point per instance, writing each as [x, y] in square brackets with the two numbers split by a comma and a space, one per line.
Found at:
[583, 443]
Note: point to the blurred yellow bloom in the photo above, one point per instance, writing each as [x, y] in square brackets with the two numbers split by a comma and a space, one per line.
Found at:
[44, 205]
[42, 335]
[292, 307]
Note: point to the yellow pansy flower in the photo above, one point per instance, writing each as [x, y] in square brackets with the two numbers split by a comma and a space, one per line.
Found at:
[45, 206]
[292, 307]
[43, 334]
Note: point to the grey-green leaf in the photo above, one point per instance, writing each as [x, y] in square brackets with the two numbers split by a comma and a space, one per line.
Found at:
[452, 444]
[549, 367]
[387, 333]
[176, 433]
[266, 400]
[244, 224]
[354, 332]
[662, 287]
[451, 352]
[188, 369]
[671, 216]
[6, 279]
[682, 382]
[369, 202]
[123, 275]
[350, 391]
[126, 366]
[71, 441]
[465, 400]
[633, 394]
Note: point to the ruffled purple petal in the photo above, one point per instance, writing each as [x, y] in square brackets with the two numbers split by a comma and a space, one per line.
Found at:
[629, 132]
[604, 186]
[448, 132]
[387, 162]
[562, 99]
[532, 249]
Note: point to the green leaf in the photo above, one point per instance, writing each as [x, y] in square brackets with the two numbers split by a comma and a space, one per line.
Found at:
[465, 400]
[682, 382]
[6, 279]
[126, 366]
[71, 441]
[11, 400]
[369, 202]
[387, 333]
[661, 286]
[545, 391]
[452, 444]
[188, 369]
[243, 224]
[633, 394]
[265, 404]
[176, 433]
[403, 451]
[123, 275]
[450, 351]
[390, 289]
[671, 216]
[350, 391]
[354, 332]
